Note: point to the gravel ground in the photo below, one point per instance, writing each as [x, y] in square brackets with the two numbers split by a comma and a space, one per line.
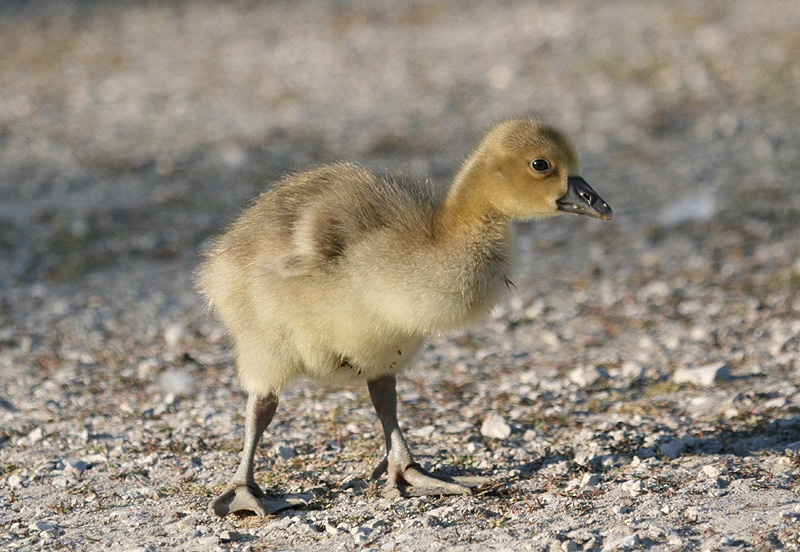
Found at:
[639, 390]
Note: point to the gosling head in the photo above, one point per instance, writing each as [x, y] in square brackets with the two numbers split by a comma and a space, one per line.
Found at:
[528, 169]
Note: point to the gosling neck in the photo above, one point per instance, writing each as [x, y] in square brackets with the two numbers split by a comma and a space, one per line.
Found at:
[467, 207]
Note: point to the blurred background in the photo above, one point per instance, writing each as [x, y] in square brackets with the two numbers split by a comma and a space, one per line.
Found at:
[129, 132]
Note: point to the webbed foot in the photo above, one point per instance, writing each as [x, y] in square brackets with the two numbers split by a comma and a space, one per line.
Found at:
[412, 480]
[240, 499]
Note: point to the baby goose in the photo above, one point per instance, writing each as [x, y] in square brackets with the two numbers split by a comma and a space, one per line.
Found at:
[339, 274]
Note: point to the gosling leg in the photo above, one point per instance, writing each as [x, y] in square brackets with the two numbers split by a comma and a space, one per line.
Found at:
[242, 493]
[404, 477]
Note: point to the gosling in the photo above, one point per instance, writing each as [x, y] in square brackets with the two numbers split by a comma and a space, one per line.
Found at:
[339, 274]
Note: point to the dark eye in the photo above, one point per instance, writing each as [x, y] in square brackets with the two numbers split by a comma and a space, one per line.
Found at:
[540, 164]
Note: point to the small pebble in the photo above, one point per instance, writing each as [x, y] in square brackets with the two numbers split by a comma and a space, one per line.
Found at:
[675, 540]
[633, 486]
[588, 376]
[673, 449]
[40, 526]
[376, 523]
[284, 451]
[176, 381]
[703, 376]
[558, 469]
[360, 529]
[625, 543]
[330, 528]
[632, 370]
[35, 436]
[75, 467]
[694, 513]
[174, 334]
[229, 536]
[495, 427]
[590, 480]
[777, 402]
[442, 511]
[207, 541]
[424, 432]
[657, 532]
[64, 482]
[149, 460]
[15, 481]
[570, 546]
[97, 458]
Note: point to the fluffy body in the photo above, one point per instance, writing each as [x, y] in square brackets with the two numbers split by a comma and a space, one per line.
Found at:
[339, 274]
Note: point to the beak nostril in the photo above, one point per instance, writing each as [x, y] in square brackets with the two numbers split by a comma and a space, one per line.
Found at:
[581, 199]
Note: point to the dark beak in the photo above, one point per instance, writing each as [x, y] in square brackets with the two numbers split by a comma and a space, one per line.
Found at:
[581, 199]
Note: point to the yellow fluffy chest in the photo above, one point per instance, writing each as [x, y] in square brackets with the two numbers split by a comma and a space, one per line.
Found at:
[356, 346]
[434, 289]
